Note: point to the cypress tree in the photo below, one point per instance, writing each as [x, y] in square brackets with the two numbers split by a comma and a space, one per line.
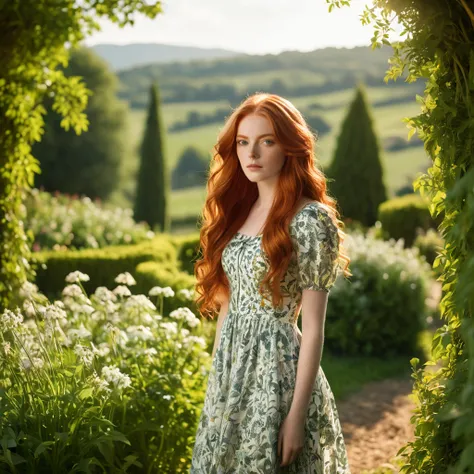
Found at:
[356, 174]
[151, 200]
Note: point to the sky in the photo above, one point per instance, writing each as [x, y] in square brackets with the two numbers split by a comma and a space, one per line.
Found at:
[248, 26]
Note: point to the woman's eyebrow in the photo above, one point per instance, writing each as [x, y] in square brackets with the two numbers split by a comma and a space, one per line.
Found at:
[260, 136]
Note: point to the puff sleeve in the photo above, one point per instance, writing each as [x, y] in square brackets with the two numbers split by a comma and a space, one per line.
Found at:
[317, 249]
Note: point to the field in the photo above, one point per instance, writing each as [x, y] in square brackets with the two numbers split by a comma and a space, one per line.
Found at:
[400, 167]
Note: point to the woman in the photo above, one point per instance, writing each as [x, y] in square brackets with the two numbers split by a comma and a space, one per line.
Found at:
[270, 247]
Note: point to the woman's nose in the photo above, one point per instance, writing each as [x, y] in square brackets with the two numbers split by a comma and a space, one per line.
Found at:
[254, 151]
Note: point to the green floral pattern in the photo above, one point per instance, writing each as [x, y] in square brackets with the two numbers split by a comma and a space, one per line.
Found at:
[252, 379]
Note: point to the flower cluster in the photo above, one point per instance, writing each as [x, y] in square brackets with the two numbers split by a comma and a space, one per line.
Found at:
[61, 222]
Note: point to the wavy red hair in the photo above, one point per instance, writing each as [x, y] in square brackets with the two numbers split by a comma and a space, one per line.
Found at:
[230, 196]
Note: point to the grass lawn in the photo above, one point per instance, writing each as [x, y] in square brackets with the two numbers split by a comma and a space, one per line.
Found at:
[400, 167]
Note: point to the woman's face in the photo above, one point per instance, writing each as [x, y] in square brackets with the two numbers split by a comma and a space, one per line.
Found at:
[256, 144]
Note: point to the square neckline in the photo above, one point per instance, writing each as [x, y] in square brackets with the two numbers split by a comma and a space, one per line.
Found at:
[260, 235]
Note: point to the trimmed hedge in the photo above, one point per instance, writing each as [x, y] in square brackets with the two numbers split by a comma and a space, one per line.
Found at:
[402, 216]
[150, 274]
[188, 251]
[102, 265]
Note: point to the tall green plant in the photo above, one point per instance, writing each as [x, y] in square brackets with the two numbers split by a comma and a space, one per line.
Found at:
[90, 163]
[439, 48]
[34, 41]
[151, 201]
[356, 172]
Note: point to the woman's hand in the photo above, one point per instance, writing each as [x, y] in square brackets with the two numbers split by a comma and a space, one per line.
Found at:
[290, 439]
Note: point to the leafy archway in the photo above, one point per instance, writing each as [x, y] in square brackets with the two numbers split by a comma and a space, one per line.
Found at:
[439, 47]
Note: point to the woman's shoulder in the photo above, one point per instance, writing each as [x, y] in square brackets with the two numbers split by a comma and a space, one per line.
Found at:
[311, 216]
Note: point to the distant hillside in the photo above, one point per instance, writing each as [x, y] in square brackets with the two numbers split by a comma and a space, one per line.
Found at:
[128, 56]
[291, 74]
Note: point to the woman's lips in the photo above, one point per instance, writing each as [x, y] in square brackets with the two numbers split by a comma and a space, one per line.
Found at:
[254, 167]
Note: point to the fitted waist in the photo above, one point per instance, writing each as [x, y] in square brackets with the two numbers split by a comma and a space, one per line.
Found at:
[284, 317]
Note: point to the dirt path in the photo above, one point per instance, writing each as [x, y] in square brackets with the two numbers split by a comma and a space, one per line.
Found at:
[376, 423]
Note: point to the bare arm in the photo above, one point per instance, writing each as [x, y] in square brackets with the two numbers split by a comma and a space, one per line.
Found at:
[314, 315]
[224, 300]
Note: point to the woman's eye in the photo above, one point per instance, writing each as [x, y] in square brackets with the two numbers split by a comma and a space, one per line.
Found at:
[269, 142]
[241, 142]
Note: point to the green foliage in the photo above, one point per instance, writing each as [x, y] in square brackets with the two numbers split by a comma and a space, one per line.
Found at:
[430, 244]
[89, 163]
[364, 314]
[291, 74]
[151, 201]
[99, 383]
[188, 251]
[33, 46]
[402, 217]
[438, 48]
[151, 274]
[100, 264]
[191, 169]
[356, 175]
[62, 222]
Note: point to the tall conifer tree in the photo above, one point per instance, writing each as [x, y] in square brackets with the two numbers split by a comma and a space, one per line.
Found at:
[153, 185]
[356, 170]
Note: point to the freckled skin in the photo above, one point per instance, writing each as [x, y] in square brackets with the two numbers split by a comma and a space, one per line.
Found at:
[256, 143]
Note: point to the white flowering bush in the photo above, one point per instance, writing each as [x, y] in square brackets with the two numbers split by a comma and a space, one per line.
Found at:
[99, 383]
[61, 222]
[381, 308]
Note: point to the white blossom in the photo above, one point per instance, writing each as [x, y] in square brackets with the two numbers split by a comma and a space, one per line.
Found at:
[125, 279]
[76, 276]
[167, 291]
[103, 294]
[187, 315]
[10, 320]
[81, 333]
[84, 353]
[113, 375]
[122, 290]
[72, 291]
[28, 290]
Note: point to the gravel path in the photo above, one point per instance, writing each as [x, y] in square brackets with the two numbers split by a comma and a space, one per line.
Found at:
[376, 423]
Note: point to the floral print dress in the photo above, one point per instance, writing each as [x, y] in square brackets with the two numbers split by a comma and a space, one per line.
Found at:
[252, 379]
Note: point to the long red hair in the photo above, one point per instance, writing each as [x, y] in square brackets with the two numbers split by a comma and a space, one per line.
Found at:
[230, 196]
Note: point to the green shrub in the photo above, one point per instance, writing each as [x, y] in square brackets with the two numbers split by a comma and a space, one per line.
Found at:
[429, 244]
[402, 216]
[62, 222]
[381, 309]
[188, 251]
[99, 384]
[100, 264]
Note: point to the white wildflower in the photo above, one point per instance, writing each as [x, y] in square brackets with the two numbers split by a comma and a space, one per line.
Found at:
[28, 363]
[99, 384]
[139, 302]
[10, 320]
[81, 333]
[72, 291]
[122, 290]
[167, 291]
[6, 348]
[76, 276]
[186, 294]
[113, 375]
[125, 279]
[140, 332]
[170, 326]
[29, 309]
[102, 350]
[28, 290]
[187, 315]
[84, 353]
[103, 294]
